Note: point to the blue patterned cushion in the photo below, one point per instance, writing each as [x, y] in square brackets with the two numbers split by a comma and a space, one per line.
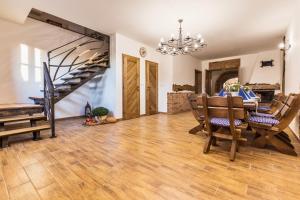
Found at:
[264, 108]
[263, 120]
[262, 115]
[224, 122]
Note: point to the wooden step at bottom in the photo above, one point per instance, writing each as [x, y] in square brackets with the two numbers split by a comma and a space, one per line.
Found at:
[22, 118]
[24, 130]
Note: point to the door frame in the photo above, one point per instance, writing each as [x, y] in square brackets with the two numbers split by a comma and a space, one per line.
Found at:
[147, 62]
[124, 87]
[196, 77]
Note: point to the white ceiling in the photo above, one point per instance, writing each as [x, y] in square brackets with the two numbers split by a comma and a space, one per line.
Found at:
[231, 27]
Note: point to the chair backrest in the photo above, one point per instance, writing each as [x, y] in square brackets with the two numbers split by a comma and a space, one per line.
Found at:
[223, 107]
[289, 111]
[196, 106]
[281, 106]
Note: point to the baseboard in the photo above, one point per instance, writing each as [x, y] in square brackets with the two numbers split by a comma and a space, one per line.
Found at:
[69, 118]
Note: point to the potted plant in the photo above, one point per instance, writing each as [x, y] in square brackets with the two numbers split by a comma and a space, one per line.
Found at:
[234, 89]
[100, 112]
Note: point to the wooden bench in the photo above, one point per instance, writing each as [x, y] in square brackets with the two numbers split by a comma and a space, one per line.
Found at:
[4, 134]
[35, 130]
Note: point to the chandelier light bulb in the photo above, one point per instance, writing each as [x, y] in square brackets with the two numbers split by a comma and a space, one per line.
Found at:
[199, 36]
[174, 49]
[165, 48]
[202, 40]
[196, 46]
[159, 44]
[186, 49]
[162, 40]
[281, 45]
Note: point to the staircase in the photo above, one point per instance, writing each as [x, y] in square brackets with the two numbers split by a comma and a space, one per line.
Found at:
[68, 77]
[69, 67]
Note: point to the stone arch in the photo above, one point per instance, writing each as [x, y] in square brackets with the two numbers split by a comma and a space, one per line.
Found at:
[224, 77]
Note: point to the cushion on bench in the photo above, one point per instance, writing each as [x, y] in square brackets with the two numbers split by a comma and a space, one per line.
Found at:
[224, 122]
[263, 120]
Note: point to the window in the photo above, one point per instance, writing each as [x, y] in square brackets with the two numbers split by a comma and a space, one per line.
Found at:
[24, 67]
[37, 65]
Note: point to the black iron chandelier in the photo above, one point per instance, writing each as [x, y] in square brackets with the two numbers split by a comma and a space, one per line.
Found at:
[181, 45]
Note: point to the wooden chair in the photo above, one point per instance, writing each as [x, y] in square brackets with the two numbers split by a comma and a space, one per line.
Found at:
[276, 111]
[224, 119]
[270, 131]
[275, 104]
[197, 110]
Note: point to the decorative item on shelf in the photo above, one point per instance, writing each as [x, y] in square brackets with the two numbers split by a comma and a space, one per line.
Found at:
[181, 45]
[267, 63]
[88, 110]
[143, 52]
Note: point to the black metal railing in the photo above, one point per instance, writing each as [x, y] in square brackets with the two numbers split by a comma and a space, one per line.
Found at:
[49, 99]
[74, 54]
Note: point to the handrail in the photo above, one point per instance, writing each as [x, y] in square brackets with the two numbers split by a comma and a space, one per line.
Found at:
[49, 99]
[66, 44]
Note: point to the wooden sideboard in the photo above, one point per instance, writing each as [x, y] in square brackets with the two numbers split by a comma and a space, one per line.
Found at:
[178, 102]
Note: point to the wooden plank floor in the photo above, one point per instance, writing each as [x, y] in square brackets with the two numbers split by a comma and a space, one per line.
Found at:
[147, 158]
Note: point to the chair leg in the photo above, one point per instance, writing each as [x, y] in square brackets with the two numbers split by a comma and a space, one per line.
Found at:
[260, 141]
[214, 142]
[237, 146]
[208, 144]
[233, 150]
[196, 129]
[281, 146]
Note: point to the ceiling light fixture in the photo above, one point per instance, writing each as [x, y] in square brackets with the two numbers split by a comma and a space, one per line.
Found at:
[181, 45]
[284, 46]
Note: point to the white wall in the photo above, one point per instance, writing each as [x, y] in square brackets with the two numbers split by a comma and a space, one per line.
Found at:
[250, 70]
[184, 69]
[131, 47]
[292, 75]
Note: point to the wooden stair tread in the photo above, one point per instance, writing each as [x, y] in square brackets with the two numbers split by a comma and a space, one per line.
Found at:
[65, 84]
[83, 72]
[22, 118]
[24, 130]
[93, 66]
[18, 106]
[74, 77]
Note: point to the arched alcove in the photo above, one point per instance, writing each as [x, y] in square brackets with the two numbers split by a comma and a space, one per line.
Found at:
[225, 77]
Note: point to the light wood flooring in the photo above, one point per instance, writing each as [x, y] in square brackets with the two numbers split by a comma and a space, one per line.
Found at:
[146, 158]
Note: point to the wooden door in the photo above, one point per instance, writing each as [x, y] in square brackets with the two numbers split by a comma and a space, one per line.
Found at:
[131, 87]
[198, 82]
[151, 88]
